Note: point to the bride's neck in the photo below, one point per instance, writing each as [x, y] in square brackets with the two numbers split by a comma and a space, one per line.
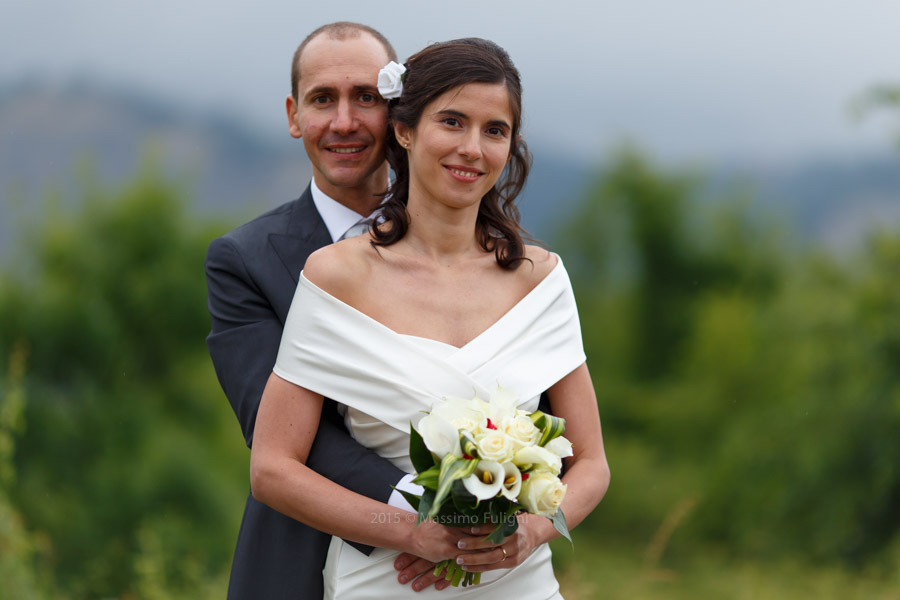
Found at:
[445, 237]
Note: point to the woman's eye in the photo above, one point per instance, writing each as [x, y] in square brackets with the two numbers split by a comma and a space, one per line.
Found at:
[452, 122]
[496, 131]
[368, 98]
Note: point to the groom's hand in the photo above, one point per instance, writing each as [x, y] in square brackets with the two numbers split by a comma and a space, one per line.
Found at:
[422, 571]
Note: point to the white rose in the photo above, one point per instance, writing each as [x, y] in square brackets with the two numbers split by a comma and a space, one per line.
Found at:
[439, 435]
[559, 446]
[487, 480]
[390, 80]
[542, 493]
[496, 446]
[538, 457]
[521, 429]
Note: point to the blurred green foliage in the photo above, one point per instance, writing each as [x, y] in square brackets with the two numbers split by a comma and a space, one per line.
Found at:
[129, 467]
[749, 392]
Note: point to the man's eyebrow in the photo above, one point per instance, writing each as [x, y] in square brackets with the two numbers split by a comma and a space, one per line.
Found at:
[322, 89]
[327, 89]
[455, 113]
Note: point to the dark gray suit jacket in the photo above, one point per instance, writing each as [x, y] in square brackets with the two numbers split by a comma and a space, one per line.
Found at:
[251, 275]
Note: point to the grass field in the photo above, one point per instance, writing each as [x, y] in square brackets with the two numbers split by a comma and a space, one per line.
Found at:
[605, 570]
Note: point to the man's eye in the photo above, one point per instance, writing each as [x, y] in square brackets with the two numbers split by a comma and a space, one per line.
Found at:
[321, 100]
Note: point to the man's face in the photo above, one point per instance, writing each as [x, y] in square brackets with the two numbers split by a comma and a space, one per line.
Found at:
[340, 116]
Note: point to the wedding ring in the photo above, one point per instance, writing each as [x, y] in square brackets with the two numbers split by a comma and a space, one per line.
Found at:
[504, 553]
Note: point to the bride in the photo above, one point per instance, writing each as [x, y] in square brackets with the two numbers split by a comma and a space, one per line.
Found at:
[442, 298]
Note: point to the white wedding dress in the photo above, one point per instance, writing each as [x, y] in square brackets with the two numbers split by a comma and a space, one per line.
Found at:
[388, 380]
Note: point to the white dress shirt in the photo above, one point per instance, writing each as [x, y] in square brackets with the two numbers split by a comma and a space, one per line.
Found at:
[338, 218]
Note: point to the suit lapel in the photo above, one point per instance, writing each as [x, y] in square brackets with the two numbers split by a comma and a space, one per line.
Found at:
[306, 233]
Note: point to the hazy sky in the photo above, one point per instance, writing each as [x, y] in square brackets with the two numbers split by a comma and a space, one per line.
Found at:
[693, 79]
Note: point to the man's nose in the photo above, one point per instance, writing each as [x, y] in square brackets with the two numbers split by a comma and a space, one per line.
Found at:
[344, 120]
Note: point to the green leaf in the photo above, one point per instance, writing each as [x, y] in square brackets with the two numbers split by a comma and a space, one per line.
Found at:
[452, 468]
[551, 427]
[503, 513]
[464, 502]
[468, 444]
[559, 523]
[429, 478]
[419, 454]
[411, 498]
[536, 417]
[425, 504]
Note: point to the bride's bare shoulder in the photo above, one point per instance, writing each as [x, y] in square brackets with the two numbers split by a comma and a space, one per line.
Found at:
[540, 262]
[339, 268]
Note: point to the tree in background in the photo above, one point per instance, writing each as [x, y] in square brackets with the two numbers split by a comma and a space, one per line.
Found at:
[878, 98]
[750, 393]
[128, 468]
[755, 384]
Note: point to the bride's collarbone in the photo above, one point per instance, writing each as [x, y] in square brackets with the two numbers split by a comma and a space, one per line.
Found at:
[451, 315]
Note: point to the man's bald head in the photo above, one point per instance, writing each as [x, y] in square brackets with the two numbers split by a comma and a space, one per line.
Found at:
[340, 30]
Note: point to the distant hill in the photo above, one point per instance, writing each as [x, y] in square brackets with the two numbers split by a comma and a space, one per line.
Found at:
[51, 134]
[48, 132]
[836, 203]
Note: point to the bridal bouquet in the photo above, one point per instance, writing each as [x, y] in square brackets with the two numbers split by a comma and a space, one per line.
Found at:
[482, 462]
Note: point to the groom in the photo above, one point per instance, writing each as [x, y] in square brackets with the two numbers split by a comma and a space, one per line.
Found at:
[335, 109]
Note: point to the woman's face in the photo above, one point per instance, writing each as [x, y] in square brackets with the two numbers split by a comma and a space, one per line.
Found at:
[460, 146]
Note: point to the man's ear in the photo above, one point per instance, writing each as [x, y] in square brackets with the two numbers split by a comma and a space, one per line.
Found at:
[403, 134]
[293, 127]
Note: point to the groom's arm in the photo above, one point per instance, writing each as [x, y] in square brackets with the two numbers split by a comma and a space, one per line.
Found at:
[243, 344]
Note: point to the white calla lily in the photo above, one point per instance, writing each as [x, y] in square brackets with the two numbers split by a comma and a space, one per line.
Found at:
[559, 446]
[462, 414]
[439, 435]
[538, 457]
[512, 481]
[503, 405]
[487, 480]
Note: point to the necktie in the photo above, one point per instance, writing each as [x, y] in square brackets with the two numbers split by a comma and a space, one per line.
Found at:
[358, 228]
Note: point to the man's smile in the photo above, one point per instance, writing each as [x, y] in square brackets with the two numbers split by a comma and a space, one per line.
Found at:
[352, 150]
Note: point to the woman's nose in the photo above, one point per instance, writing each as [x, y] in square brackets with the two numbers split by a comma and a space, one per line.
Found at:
[471, 146]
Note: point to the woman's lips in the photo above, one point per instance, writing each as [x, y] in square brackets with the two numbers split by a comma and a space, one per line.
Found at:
[465, 174]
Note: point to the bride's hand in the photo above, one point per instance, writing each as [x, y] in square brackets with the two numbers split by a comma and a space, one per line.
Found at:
[435, 542]
[486, 556]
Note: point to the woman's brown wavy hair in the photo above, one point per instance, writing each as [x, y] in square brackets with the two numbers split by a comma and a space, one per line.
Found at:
[430, 73]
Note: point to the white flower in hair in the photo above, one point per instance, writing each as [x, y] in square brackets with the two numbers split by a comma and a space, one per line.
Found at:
[390, 80]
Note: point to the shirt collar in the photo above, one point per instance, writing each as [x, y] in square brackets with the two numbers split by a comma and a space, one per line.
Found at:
[337, 217]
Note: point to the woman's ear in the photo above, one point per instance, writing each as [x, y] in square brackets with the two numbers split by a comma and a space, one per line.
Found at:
[403, 135]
